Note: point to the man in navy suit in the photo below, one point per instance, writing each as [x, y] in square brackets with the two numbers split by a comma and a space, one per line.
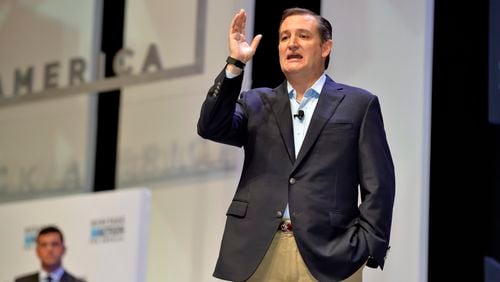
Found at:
[313, 147]
[50, 250]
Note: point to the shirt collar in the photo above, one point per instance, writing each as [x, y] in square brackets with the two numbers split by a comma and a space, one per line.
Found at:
[316, 87]
[56, 274]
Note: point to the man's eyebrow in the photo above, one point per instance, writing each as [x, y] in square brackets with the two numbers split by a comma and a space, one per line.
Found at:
[303, 30]
[297, 30]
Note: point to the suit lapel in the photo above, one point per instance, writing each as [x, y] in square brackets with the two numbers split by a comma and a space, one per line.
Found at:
[329, 99]
[65, 277]
[280, 105]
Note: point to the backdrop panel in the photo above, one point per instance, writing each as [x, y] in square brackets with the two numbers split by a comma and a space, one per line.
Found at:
[386, 48]
[46, 148]
[105, 233]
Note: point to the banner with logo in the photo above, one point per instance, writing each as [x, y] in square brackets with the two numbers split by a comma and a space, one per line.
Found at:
[106, 234]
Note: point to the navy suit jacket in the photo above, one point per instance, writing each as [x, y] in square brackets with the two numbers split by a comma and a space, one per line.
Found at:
[34, 278]
[345, 148]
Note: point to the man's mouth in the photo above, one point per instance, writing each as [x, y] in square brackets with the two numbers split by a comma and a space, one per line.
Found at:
[294, 57]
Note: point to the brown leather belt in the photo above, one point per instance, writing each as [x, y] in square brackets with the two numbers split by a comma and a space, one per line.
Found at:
[286, 226]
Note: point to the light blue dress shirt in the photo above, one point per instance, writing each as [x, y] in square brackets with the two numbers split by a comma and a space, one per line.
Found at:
[300, 126]
[55, 275]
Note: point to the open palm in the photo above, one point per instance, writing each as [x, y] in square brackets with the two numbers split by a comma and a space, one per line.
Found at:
[239, 48]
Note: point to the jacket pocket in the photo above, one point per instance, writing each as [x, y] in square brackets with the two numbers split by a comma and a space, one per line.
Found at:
[237, 208]
[341, 125]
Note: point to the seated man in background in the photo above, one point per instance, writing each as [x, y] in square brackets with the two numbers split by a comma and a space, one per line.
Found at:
[50, 250]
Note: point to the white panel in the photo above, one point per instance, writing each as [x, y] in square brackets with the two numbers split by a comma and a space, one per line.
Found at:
[46, 148]
[386, 47]
[105, 234]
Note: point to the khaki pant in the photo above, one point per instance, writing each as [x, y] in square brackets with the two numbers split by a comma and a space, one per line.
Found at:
[283, 263]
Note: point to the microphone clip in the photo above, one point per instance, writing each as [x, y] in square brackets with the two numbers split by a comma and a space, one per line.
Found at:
[299, 115]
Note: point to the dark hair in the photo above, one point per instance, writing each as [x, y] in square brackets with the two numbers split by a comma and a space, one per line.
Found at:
[50, 229]
[324, 26]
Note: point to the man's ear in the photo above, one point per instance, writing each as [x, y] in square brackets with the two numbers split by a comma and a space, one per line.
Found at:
[327, 48]
[37, 250]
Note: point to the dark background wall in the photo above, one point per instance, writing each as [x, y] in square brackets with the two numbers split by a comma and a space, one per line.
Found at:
[464, 182]
[108, 103]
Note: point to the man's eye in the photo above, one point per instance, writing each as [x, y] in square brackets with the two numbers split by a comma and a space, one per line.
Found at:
[283, 38]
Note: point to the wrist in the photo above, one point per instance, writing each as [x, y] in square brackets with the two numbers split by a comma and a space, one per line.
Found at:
[234, 70]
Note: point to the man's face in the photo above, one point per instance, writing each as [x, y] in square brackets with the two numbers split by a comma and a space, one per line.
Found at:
[50, 250]
[300, 48]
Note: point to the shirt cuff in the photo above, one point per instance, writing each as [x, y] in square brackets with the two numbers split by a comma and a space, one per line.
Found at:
[231, 75]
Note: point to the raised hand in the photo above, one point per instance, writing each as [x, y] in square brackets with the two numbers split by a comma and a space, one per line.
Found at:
[238, 46]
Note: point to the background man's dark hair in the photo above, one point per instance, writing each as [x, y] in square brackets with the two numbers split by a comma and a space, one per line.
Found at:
[324, 26]
[50, 229]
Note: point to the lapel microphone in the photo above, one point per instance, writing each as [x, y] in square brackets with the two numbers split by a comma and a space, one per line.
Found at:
[300, 115]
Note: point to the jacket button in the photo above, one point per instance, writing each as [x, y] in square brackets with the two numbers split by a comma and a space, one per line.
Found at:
[292, 180]
[279, 214]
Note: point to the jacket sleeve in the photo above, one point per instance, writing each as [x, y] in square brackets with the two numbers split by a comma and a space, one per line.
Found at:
[377, 185]
[222, 118]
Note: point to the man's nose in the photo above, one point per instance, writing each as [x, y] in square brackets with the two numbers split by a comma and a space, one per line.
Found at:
[292, 43]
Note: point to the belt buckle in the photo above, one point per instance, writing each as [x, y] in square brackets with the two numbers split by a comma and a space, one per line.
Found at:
[286, 226]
